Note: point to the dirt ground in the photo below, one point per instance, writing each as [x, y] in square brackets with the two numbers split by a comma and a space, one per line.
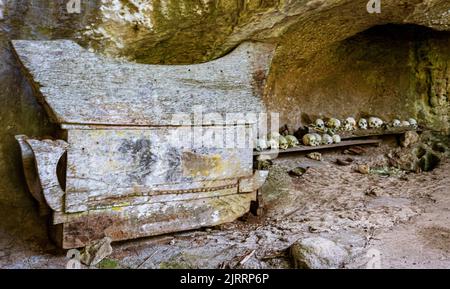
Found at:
[403, 219]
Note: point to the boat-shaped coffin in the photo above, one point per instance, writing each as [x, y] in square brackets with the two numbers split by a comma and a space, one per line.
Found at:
[144, 149]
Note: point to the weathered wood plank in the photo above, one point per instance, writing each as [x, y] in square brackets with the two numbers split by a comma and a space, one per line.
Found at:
[104, 164]
[247, 185]
[321, 147]
[47, 154]
[360, 133]
[80, 87]
[153, 219]
[116, 204]
[104, 202]
[31, 174]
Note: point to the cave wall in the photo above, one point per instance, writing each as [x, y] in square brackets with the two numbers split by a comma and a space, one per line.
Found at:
[391, 71]
[19, 111]
[324, 63]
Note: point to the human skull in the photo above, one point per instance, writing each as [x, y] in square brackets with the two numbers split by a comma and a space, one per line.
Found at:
[413, 123]
[283, 143]
[273, 135]
[318, 137]
[310, 140]
[315, 156]
[405, 123]
[362, 123]
[336, 138]
[273, 144]
[327, 139]
[375, 122]
[292, 141]
[334, 123]
[260, 144]
[319, 123]
[396, 123]
[349, 124]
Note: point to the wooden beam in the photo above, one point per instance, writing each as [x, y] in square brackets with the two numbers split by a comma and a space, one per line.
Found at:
[369, 132]
[345, 143]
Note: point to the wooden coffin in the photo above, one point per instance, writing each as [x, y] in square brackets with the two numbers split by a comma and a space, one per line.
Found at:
[143, 149]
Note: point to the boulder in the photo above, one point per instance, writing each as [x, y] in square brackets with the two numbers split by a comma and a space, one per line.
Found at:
[318, 253]
[410, 138]
[277, 194]
[96, 252]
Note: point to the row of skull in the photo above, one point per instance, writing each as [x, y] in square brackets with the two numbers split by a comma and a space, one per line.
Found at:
[315, 139]
[350, 123]
[277, 141]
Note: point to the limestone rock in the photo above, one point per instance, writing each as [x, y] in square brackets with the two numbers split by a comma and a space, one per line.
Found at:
[318, 253]
[297, 172]
[409, 138]
[364, 169]
[422, 153]
[277, 195]
[429, 161]
[96, 252]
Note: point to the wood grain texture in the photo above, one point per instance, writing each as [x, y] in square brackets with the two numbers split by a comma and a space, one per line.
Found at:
[127, 164]
[153, 149]
[47, 154]
[303, 148]
[361, 133]
[247, 185]
[152, 219]
[80, 87]
[31, 174]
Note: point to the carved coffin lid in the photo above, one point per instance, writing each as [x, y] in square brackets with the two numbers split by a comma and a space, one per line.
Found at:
[78, 87]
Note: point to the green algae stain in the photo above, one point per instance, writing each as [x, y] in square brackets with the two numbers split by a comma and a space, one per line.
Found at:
[108, 264]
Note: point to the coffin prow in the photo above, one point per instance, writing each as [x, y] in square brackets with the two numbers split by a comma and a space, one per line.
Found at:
[40, 161]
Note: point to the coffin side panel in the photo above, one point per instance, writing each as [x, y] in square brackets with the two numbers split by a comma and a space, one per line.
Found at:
[153, 219]
[114, 164]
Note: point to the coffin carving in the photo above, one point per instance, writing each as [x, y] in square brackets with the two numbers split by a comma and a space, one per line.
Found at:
[132, 165]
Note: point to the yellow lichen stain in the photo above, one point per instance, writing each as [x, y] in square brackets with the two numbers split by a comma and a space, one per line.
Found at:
[195, 165]
[201, 165]
[119, 209]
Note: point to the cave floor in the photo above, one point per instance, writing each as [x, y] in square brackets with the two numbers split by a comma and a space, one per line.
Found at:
[403, 217]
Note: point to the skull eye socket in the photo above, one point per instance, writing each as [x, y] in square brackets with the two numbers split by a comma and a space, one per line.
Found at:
[319, 123]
